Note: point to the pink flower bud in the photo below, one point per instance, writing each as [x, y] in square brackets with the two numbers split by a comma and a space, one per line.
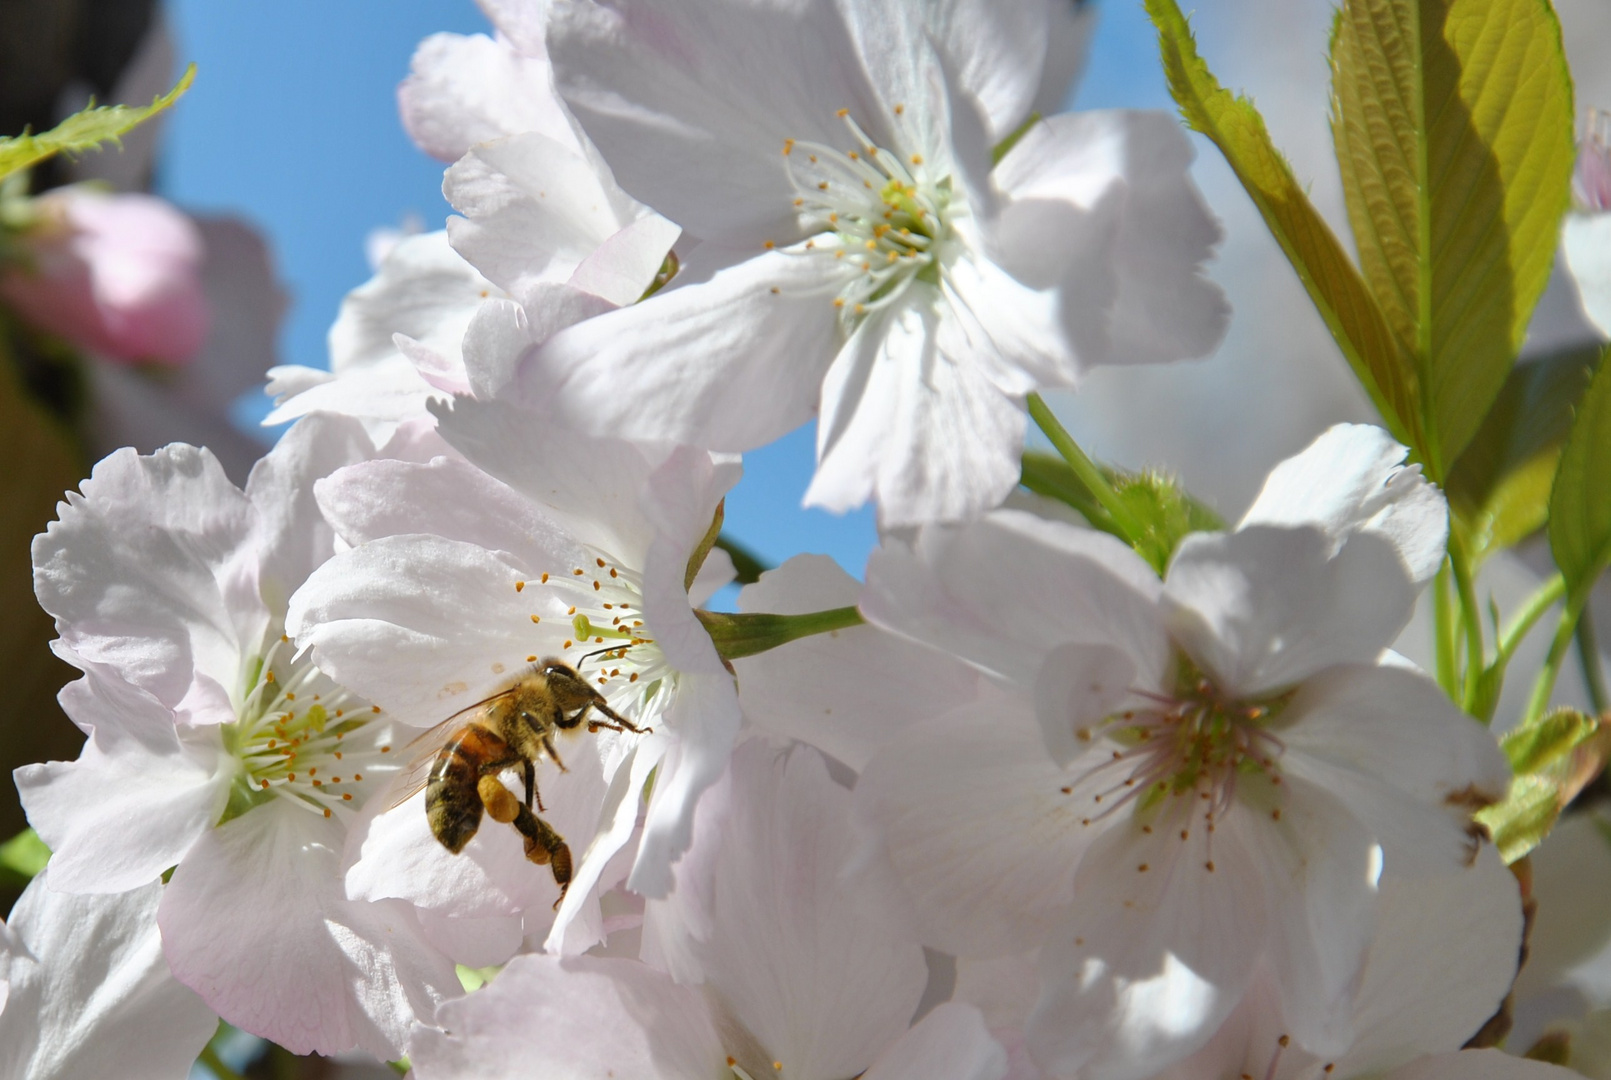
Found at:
[1591, 183]
[115, 275]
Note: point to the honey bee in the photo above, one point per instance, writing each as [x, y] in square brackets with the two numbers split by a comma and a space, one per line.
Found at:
[458, 761]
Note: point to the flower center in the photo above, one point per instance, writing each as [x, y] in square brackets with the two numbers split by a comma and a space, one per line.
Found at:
[1193, 748]
[606, 642]
[884, 216]
[304, 738]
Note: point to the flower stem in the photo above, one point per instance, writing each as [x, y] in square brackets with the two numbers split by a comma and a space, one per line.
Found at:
[1470, 615]
[1444, 632]
[1565, 631]
[1129, 528]
[1524, 620]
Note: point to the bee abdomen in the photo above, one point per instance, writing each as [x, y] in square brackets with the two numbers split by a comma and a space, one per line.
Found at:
[452, 804]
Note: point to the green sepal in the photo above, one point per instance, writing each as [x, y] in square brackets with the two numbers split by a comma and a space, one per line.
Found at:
[1004, 147]
[1580, 500]
[22, 857]
[1553, 758]
[85, 130]
[740, 634]
[1379, 358]
[1163, 510]
[696, 558]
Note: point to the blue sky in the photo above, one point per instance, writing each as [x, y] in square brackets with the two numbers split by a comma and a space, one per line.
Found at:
[293, 125]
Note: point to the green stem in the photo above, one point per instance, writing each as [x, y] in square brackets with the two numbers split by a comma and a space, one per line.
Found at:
[1588, 654]
[215, 1065]
[1129, 528]
[1543, 598]
[1565, 631]
[1444, 637]
[1470, 615]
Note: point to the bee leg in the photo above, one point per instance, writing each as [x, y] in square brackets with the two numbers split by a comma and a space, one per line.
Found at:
[553, 755]
[529, 774]
[500, 802]
[544, 845]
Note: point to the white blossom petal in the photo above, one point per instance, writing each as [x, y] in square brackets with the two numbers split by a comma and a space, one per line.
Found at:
[468, 89]
[1586, 239]
[90, 993]
[1353, 479]
[1264, 608]
[951, 1041]
[846, 692]
[323, 974]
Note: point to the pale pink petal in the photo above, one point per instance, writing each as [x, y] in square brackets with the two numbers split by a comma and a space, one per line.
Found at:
[139, 795]
[977, 826]
[1353, 479]
[820, 970]
[951, 1041]
[90, 994]
[688, 355]
[1441, 961]
[534, 210]
[425, 626]
[1114, 184]
[1004, 591]
[705, 718]
[1266, 607]
[879, 684]
[254, 921]
[1402, 758]
[468, 89]
[691, 103]
[924, 433]
[1160, 942]
[141, 571]
[618, 1018]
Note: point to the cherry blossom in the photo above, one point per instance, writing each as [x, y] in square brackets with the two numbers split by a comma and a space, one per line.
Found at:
[857, 255]
[216, 750]
[1187, 777]
[537, 542]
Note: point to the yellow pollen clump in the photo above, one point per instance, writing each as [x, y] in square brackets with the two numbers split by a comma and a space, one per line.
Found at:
[545, 579]
[536, 618]
[788, 146]
[899, 109]
[519, 586]
[568, 643]
[842, 113]
[531, 659]
[917, 159]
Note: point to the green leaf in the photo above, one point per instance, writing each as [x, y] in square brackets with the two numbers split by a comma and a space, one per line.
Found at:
[1379, 358]
[1164, 511]
[741, 634]
[23, 856]
[1499, 488]
[1553, 758]
[1453, 126]
[1580, 501]
[85, 130]
[1534, 747]
[749, 565]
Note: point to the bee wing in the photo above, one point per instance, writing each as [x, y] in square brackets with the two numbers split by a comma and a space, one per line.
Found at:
[423, 750]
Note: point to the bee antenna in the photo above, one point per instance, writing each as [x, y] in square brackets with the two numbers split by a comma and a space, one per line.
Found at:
[601, 652]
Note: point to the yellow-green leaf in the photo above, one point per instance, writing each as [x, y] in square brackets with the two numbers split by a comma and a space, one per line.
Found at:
[1499, 488]
[1380, 360]
[1554, 757]
[85, 130]
[1580, 501]
[1453, 126]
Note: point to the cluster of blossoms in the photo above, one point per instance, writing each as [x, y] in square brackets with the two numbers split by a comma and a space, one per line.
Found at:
[1022, 803]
